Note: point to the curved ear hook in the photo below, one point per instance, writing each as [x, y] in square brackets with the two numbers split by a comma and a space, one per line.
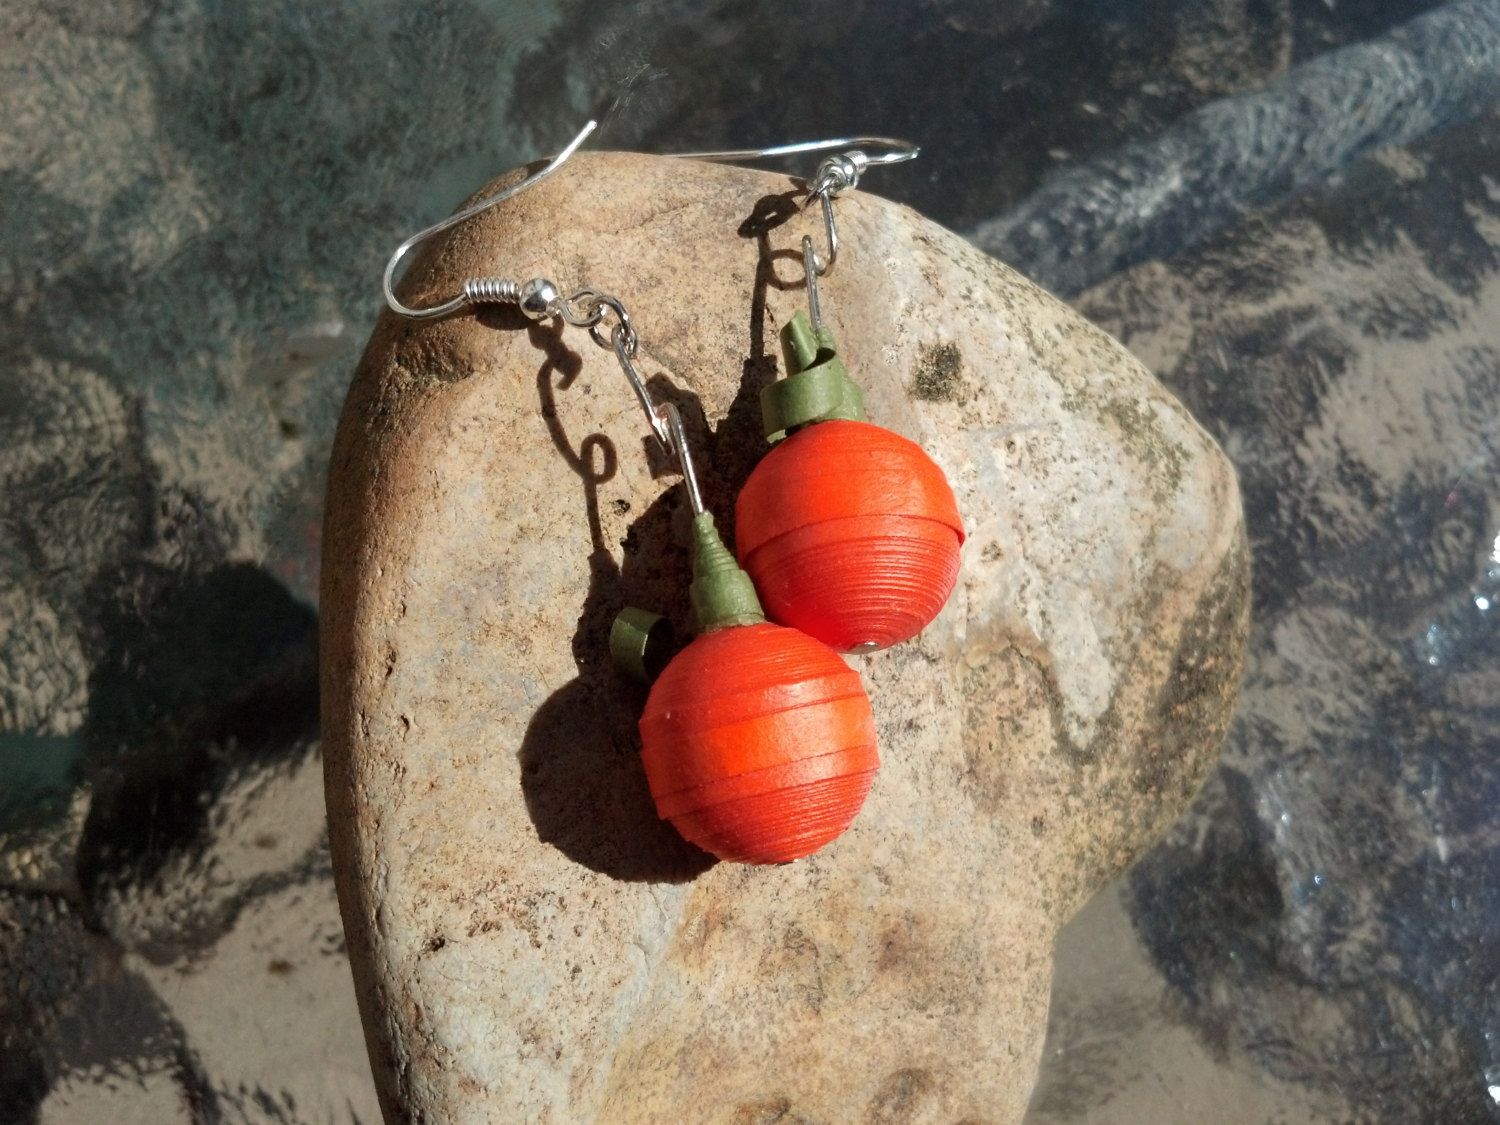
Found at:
[540, 299]
[480, 294]
[836, 174]
[896, 152]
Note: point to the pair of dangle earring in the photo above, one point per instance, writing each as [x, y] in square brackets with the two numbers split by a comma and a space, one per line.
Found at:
[758, 741]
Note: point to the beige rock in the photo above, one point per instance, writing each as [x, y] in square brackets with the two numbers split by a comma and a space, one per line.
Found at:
[530, 943]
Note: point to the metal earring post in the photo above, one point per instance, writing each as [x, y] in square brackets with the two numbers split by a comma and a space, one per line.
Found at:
[890, 150]
[540, 299]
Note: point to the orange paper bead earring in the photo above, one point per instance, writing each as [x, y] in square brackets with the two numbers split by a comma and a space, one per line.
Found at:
[850, 531]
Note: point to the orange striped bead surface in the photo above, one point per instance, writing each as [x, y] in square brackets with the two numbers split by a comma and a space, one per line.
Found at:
[758, 743]
[851, 534]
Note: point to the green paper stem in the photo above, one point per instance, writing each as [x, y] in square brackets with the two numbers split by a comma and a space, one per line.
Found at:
[722, 594]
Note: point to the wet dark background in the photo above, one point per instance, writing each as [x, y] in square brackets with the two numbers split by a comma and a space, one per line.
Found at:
[1289, 208]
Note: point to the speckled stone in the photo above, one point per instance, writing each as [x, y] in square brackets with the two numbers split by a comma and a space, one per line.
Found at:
[529, 942]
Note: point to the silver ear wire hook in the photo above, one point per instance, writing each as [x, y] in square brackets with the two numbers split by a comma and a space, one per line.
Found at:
[540, 299]
[835, 175]
[895, 151]
[479, 290]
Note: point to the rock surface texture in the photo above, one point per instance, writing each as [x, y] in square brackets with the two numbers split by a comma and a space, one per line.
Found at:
[529, 942]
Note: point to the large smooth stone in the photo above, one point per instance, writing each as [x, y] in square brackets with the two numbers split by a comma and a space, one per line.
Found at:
[529, 942]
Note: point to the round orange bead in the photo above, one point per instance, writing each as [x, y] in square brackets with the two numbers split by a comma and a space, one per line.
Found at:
[758, 744]
[851, 534]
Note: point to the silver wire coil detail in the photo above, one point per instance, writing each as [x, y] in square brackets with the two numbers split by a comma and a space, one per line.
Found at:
[492, 291]
[838, 173]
